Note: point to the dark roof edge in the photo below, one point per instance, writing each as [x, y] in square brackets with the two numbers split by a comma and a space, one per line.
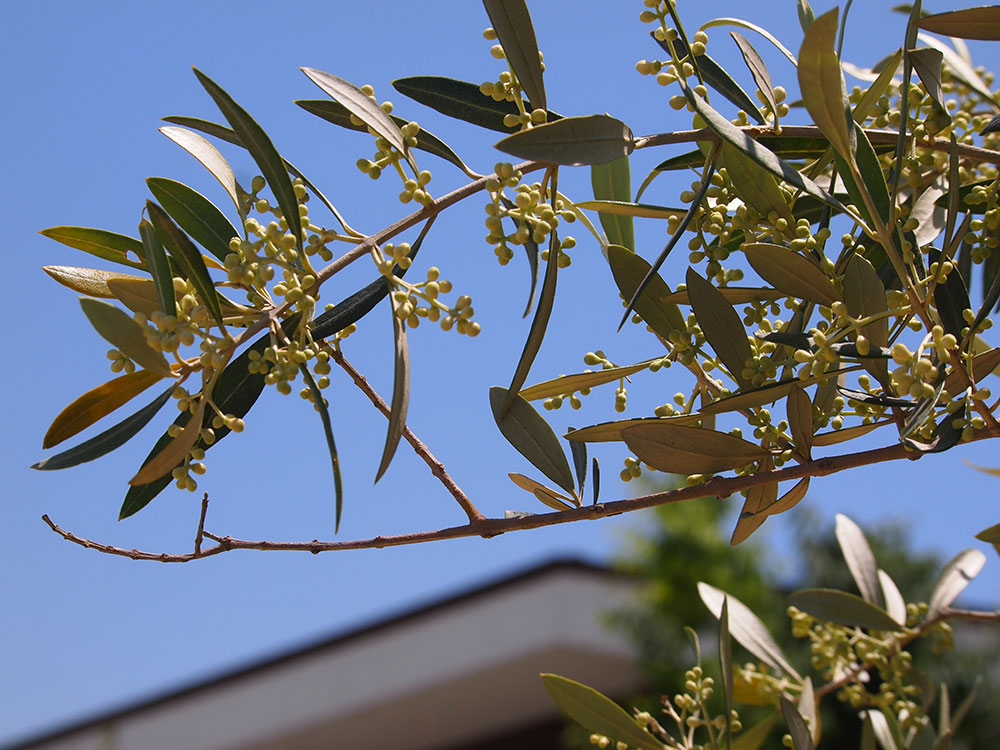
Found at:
[464, 595]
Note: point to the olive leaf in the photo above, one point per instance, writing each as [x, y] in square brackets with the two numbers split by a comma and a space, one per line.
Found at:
[721, 325]
[844, 608]
[99, 242]
[790, 499]
[173, 453]
[578, 452]
[461, 100]
[545, 495]
[599, 714]
[573, 141]
[806, 15]
[752, 27]
[982, 365]
[957, 574]
[138, 295]
[526, 430]
[107, 441]
[726, 667]
[605, 432]
[123, 333]
[735, 295]
[195, 214]
[752, 515]
[800, 420]
[968, 23]
[361, 107]
[400, 391]
[92, 282]
[338, 114]
[959, 68]
[895, 604]
[679, 449]
[159, 269]
[859, 558]
[512, 23]
[821, 83]
[758, 70]
[629, 270]
[864, 295]
[927, 64]
[623, 209]
[579, 381]
[253, 138]
[331, 445]
[203, 150]
[792, 273]
[612, 182]
[755, 186]
[96, 404]
[797, 727]
[747, 629]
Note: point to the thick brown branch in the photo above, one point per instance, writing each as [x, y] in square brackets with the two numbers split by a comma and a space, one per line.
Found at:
[436, 467]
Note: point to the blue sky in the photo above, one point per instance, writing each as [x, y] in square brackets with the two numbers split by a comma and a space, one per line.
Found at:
[85, 86]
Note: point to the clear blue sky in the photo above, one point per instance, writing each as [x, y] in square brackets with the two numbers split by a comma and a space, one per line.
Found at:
[84, 86]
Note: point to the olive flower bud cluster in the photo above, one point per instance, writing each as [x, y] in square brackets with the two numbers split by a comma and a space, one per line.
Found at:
[534, 219]
[507, 88]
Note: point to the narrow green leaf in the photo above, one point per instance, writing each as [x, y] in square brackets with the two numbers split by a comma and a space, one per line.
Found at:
[512, 23]
[800, 420]
[461, 100]
[951, 299]
[599, 714]
[759, 153]
[747, 629]
[878, 88]
[159, 268]
[874, 184]
[595, 472]
[235, 393]
[758, 69]
[927, 64]
[526, 430]
[531, 253]
[400, 391]
[752, 514]
[864, 295]
[895, 604]
[579, 381]
[843, 608]
[678, 449]
[806, 15]
[755, 186]
[574, 141]
[629, 270]
[331, 445]
[752, 27]
[721, 324]
[123, 333]
[195, 214]
[545, 495]
[96, 404]
[626, 209]
[253, 138]
[790, 499]
[726, 667]
[957, 574]
[859, 558]
[607, 432]
[361, 107]
[734, 295]
[92, 282]
[797, 727]
[821, 83]
[539, 324]
[338, 114]
[187, 256]
[107, 441]
[611, 181]
[99, 242]
[968, 23]
[173, 453]
[959, 68]
[138, 295]
[578, 452]
[792, 273]
[203, 150]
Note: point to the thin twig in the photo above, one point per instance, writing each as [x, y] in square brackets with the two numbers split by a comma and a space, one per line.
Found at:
[201, 526]
[719, 487]
[436, 467]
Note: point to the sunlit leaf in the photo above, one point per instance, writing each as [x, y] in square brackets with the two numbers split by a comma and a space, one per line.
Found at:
[790, 499]
[203, 150]
[579, 381]
[797, 727]
[957, 574]
[758, 69]
[253, 138]
[626, 209]
[806, 15]
[173, 453]
[752, 515]
[726, 667]
[574, 141]
[611, 181]
[545, 495]
[895, 604]
[843, 608]
[92, 282]
[864, 296]
[792, 273]
[927, 64]
[195, 214]
[859, 558]
[968, 23]
[755, 186]
[107, 441]
[959, 68]
[400, 391]
[99, 242]
[125, 335]
[331, 445]
[822, 83]
[159, 269]
[880, 728]
[96, 404]
[526, 430]
[735, 295]
[679, 449]
[752, 27]
[599, 714]
[747, 629]
[800, 420]
[512, 23]
[721, 325]
[183, 251]
[138, 295]
[605, 432]
[629, 270]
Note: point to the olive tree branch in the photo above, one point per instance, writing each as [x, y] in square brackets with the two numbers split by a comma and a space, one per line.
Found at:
[719, 487]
